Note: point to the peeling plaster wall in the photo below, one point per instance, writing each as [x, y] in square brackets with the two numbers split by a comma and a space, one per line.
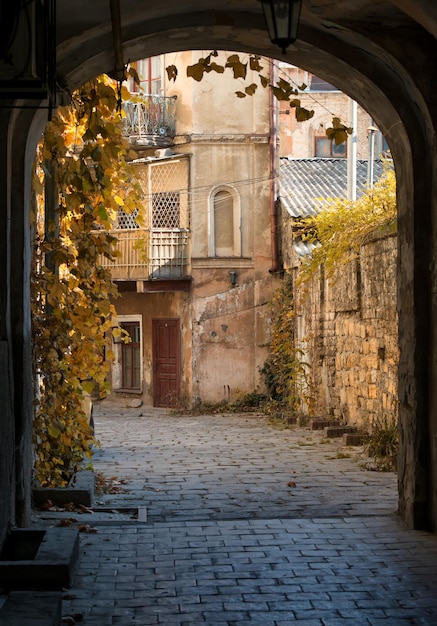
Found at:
[230, 333]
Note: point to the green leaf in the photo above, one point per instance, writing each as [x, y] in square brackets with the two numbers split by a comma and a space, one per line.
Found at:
[103, 214]
[88, 386]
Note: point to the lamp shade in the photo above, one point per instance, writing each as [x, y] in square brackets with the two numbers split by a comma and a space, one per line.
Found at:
[282, 20]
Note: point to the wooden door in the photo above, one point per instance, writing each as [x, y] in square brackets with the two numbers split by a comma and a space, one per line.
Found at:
[166, 362]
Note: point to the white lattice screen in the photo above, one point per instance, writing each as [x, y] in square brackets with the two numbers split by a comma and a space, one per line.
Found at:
[169, 194]
[155, 244]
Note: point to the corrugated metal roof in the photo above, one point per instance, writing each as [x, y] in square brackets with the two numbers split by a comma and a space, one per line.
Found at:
[303, 182]
[303, 248]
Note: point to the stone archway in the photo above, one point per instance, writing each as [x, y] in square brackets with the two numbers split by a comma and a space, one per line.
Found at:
[382, 55]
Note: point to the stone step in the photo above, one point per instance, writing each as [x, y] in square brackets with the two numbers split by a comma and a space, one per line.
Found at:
[32, 608]
[339, 431]
[353, 439]
[319, 423]
[39, 559]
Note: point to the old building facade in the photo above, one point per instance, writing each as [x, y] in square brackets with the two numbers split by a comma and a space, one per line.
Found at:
[194, 274]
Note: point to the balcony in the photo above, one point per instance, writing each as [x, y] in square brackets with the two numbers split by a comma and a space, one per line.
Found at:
[150, 116]
[158, 254]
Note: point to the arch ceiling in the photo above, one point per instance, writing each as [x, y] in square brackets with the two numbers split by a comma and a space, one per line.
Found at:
[362, 46]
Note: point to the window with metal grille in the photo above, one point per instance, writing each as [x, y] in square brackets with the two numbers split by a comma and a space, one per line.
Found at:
[166, 209]
[131, 357]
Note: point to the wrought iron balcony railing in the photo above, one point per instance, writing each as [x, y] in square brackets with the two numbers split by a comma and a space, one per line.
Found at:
[150, 115]
[150, 254]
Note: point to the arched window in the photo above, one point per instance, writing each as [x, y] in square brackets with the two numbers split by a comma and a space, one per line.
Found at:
[224, 223]
[326, 148]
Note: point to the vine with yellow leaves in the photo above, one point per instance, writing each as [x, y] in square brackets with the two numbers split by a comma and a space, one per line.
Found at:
[285, 373]
[337, 233]
[342, 226]
[82, 162]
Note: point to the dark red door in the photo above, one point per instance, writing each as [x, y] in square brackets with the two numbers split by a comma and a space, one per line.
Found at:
[166, 362]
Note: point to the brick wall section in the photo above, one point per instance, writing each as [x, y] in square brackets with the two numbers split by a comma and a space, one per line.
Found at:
[348, 329]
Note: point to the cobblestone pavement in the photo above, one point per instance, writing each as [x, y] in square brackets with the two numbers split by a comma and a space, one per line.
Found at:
[232, 467]
[225, 520]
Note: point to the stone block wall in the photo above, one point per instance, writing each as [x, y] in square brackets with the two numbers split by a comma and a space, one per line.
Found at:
[347, 327]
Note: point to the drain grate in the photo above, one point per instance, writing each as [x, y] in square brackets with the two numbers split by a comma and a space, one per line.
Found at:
[97, 515]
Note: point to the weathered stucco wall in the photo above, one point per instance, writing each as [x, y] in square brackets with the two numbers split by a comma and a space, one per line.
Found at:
[347, 327]
[230, 337]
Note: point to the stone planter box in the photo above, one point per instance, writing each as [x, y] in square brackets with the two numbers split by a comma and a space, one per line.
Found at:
[39, 559]
[80, 491]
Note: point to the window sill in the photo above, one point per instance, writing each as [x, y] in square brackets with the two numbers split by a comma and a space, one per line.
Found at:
[233, 262]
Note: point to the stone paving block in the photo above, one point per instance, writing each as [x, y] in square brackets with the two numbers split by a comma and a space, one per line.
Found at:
[318, 548]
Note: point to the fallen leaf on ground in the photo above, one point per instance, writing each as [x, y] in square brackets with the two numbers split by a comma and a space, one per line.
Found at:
[86, 528]
[68, 521]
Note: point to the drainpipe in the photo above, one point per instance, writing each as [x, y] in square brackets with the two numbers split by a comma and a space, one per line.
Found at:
[274, 201]
[370, 165]
[352, 153]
